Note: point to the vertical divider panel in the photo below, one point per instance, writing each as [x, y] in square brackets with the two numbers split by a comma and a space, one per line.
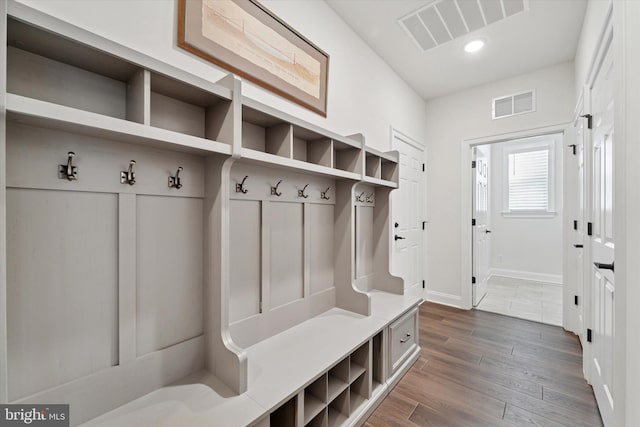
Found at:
[265, 294]
[230, 130]
[347, 297]
[306, 256]
[381, 243]
[4, 389]
[138, 106]
[127, 277]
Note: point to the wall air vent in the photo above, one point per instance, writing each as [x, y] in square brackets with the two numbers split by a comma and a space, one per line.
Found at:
[445, 20]
[512, 105]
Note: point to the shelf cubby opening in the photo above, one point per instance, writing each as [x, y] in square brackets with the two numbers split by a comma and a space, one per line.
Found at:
[315, 398]
[359, 362]
[319, 420]
[285, 415]
[48, 67]
[339, 409]
[183, 108]
[311, 147]
[373, 166]
[389, 170]
[377, 361]
[266, 133]
[338, 379]
[347, 157]
[359, 392]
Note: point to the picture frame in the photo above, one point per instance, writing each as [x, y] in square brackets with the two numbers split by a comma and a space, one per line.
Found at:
[245, 38]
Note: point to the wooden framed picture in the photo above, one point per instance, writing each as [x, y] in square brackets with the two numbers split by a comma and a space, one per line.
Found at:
[245, 38]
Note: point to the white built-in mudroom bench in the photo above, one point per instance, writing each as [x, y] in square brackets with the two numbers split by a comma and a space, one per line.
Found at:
[178, 254]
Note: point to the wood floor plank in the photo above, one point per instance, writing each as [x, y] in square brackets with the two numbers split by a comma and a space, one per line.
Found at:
[483, 369]
[522, 417]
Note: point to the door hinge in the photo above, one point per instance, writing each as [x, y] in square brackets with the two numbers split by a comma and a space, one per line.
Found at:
[424, 225]
[575, 224]
[589, 229]
[589, 118]
[588, 335]
[575, 299]
[573, 148]
[473, 221]
[473, 279]
[423, 284]
[473, 164]
[423, 167]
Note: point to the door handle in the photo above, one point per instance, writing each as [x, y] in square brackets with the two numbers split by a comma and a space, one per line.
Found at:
[578, 246]
[398, 237]
[604, 266]
[487, 231]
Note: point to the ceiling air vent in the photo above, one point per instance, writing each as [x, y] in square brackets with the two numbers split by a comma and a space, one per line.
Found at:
[512, 105]
[445, 20]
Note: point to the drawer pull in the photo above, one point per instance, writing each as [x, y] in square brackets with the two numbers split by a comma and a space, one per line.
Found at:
[405, 339]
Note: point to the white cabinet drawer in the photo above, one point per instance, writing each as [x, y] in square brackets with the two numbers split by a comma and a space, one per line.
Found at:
[403, 338]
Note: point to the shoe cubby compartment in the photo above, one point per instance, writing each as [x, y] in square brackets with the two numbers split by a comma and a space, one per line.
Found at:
[285, 415]
[377, 361]
[186, 109]
[339, 409]
[389, 170]
[315, 399]
[44, 66]
[338, 379]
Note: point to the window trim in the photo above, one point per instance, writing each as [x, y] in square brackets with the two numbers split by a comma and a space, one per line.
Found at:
[548, 142]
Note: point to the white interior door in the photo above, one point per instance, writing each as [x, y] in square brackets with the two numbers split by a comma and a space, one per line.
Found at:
[601, 265]
[407, 213]
[481, 232]
[577, 237]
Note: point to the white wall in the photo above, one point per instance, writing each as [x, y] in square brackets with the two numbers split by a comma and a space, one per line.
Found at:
[364, 94]
[467, 115]
[524, 247]
[594, 19]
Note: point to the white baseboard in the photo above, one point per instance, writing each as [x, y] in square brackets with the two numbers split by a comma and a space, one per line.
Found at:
[444, 298]
[527, 275]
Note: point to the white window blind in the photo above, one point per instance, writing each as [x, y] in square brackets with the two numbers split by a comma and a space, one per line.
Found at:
[528, 180]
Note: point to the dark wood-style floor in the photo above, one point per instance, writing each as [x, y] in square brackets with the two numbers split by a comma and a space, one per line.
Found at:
[485, 369]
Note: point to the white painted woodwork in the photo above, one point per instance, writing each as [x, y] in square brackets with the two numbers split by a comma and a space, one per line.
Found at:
[364, 246]
[402, 337]
[160, 289]
[602, 240]
[127, 262]
[62, 310]
[169, 271]
[38, 77]
[481, 215]
[138, 101]
[245, 259]
[178, 116]
[408, 210]
[321, 248]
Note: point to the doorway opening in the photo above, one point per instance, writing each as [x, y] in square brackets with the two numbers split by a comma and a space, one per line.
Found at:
[517, 245]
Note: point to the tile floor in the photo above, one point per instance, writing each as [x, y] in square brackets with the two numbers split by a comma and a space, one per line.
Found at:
[524, 299]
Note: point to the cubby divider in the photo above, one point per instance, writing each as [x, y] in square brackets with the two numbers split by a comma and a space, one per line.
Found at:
[338, 379]
[315, 398]
[359, 362]
[389, 171]
[373, 166]
[347, 157]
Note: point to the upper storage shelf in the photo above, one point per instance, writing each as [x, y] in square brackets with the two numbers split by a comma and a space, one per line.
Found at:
[272, 136]
[56, 82]
[381, 168]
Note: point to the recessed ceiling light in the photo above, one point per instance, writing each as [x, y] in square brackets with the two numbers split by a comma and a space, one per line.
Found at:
[474, 46]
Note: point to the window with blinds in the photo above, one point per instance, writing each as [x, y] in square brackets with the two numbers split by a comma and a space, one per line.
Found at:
[528, 180]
